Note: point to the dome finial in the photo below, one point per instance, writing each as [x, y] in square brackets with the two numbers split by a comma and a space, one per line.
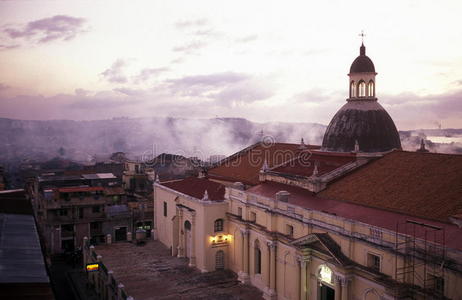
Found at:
[362, 49]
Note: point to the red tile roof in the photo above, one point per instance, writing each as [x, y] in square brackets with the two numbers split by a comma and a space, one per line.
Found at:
[426, 185]
[368, 215]
[196, 187]
[244, 166]
[80, 189]
[326, 161]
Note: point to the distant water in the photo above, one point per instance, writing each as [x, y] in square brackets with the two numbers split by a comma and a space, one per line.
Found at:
[445, 139]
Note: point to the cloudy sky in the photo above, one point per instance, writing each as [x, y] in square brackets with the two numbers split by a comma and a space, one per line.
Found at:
[261, 60]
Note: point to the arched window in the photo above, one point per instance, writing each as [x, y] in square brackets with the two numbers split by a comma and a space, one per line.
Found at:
[187, 225]
[370, 89]
[352, 89]
[218, 225]
[257, 257]
[362, 89]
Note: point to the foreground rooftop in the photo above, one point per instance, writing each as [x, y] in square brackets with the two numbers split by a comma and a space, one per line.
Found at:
[150, 272]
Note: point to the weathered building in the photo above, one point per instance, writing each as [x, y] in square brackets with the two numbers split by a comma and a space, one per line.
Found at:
[69, 207]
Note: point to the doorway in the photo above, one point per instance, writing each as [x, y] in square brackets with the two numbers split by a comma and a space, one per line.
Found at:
[326, 292]
[220, 260]
[187, 232]
[121, 234]
[67, 245]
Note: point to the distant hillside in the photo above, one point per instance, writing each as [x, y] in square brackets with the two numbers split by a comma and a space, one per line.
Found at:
[86, 140]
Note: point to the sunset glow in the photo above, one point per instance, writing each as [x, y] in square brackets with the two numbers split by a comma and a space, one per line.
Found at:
[261, 60]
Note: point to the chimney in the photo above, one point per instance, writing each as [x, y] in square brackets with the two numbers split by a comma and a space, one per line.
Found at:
[282, 196]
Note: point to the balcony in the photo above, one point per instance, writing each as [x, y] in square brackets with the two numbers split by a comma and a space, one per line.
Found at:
[78, 201]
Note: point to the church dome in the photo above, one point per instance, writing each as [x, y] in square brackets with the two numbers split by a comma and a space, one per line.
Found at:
[362, 63]
[365, 123]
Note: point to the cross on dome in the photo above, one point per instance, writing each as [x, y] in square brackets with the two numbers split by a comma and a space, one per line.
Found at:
[362, 35]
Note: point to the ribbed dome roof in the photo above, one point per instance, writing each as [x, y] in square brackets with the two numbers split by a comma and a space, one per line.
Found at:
[362, 63]
[364, 121]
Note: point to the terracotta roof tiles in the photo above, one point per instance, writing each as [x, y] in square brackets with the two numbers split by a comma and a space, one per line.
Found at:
[326, 162]
[426, 185]
[244, 166]
[196, 187]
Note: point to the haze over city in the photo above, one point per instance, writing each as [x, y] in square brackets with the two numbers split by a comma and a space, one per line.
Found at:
[264, 61]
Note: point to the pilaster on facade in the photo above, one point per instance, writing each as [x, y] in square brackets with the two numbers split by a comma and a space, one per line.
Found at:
[180, 247]
[271, 291]
[243, 275]
[304, 282]
[342, 284]
[192, 259]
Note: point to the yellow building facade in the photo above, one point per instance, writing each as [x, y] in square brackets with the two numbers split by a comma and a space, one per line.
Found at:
[289, 251]
[356, 218]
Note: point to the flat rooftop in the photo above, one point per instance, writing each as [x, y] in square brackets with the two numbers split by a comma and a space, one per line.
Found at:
[149, 272]
[21, 259]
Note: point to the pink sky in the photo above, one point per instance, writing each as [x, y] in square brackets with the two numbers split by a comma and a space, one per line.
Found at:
[265, 61]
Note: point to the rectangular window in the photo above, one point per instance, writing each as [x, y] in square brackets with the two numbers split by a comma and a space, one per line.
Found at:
[290, 230]
[253, 217]
[165, 209]
[373, 261]
[95, 209]
[239, 211]
[218, 225]
[63, 212]
[81, 212]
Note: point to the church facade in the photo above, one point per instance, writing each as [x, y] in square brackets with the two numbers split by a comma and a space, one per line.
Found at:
[355, 218]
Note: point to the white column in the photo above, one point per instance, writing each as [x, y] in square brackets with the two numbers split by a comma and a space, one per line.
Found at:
[302, 284]
[272, 269]
[337, 287]
[304, 264]
[344, 282]
[192, 259]
[244, 274]
[180, 234]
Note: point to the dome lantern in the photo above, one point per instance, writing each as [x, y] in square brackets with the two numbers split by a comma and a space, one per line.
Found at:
[362, 77]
